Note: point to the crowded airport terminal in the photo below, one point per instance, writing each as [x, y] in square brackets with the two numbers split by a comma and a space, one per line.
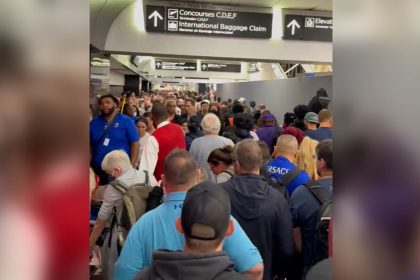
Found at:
[211, 139]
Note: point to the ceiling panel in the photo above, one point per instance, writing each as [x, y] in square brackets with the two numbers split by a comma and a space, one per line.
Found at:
[251, 3]
[118, 67]
[322, 5]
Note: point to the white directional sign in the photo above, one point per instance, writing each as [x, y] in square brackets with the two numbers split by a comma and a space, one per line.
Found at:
[155, 18]
[155, 15]
[293, 24]
[175, 65]
[221, 67]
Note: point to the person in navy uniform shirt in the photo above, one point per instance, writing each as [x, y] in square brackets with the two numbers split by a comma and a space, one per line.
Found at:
[111, 131]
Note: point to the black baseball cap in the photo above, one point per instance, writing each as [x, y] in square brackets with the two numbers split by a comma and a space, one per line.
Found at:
[206, 212]
[194, 121]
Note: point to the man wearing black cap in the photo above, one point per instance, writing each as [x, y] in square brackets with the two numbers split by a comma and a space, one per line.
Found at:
[194, 131]
[205, 221]
[156, 230]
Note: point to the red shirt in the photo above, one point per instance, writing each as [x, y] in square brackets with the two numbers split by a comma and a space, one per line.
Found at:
[169, 137]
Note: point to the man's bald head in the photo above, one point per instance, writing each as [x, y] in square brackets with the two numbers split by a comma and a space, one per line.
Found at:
[286, 145]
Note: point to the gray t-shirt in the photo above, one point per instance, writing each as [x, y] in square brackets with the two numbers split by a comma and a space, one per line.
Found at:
[225, 175]
[203, 146]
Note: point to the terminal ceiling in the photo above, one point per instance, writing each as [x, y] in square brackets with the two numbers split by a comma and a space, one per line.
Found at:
[321, 5]
[104, 12]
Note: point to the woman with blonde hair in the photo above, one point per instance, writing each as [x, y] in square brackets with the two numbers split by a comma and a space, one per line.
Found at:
[306, 157]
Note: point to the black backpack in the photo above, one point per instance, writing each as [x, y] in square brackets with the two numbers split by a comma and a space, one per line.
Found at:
[278, 133]
[323, 223]
[282, 184]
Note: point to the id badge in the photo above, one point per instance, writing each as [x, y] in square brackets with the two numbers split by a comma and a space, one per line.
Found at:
[106, 142]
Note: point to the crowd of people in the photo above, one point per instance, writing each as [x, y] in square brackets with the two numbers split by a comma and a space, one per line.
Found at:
[190, 186]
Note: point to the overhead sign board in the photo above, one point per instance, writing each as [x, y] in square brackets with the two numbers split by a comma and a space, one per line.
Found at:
[308, 28]
[208, 22]
[175, 65]
[220, 67]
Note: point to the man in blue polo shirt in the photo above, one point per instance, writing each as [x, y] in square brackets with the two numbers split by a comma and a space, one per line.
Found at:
[285, 153]
[111, 131]
[156, 229]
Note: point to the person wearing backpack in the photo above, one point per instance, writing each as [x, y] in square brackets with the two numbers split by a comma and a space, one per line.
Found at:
[284, 173]
[221, 163]
[130, 186]
[156, 229]
[262, 211]
[311, 209]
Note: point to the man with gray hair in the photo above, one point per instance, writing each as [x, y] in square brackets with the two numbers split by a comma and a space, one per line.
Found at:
[282, 168]
[262, 211]
[202, 147]
[116, 164]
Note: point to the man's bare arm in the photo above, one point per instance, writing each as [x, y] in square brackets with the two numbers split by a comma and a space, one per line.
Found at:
[135, 148]
[255, 272]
